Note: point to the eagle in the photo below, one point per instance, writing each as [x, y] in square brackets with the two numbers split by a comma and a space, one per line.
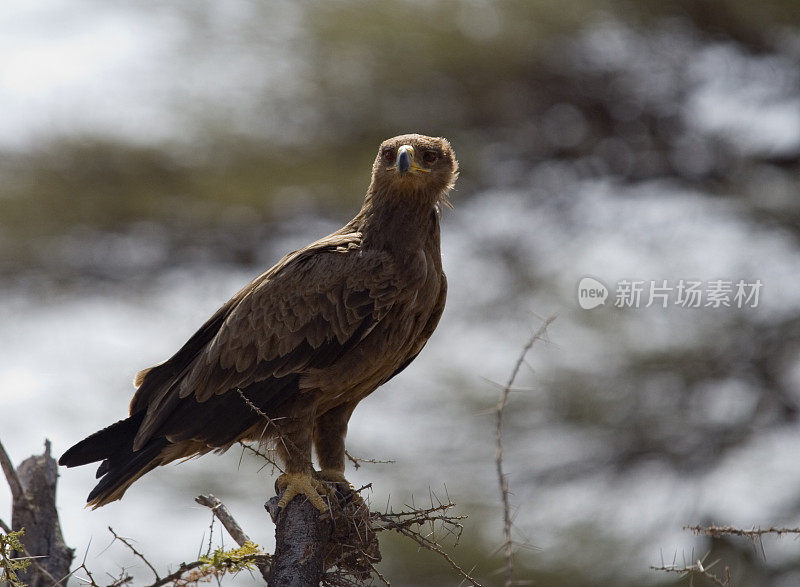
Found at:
[290, 356]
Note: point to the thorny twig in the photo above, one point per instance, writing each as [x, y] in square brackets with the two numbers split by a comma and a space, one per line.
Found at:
[358, 460]
[752, 534]
[269, 460]
[268, 422]
[122, 580]
[177, 577]
[755, 535]
[134, 551]
[403, 522]
[697, 568]
[508, 550]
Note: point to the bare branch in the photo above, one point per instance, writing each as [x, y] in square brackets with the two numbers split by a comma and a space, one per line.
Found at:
[33, 488]
[263, 455]
[17, 491]
[174, 577]
[136, 552]
[225, 517]
[507, 547]
[358, 460]
[231, 525]
[697, 569]
[404, 522]
[752, 534]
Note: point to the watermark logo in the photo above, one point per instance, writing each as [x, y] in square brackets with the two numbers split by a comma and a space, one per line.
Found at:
[684, 293]
[591, 293]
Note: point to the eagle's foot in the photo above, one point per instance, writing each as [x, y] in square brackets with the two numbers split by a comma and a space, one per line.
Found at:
[293, 484]
[334, 476]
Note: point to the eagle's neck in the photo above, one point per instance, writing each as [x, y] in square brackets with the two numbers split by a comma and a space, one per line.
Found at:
[398, 222]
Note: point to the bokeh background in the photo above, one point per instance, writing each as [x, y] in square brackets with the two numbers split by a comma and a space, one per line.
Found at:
[156, 156]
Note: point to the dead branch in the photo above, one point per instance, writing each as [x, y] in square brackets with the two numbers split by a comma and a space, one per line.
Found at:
[231, 525]
[33, 490]
[498, 432]
[752, 534]
[17, 492]
[123, 579]
[194, 572]
[755, 535]
[358, 460]
[698, 568]
[267, 458]
[177, 575]
[404, 523]
[224, 516]
[301, 539]
[135, 552]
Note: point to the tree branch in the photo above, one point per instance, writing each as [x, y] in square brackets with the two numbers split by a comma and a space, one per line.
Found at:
[498, 433]
[231, 525]
[33, 489]
[301, 541]
[11, 475]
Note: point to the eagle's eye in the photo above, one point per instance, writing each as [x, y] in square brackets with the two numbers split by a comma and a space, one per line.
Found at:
[429, 157]
[388, 155]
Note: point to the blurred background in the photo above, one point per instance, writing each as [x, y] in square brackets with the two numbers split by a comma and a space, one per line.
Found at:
[154, 157]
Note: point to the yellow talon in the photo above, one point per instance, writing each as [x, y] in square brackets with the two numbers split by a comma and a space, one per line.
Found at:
[301, 484]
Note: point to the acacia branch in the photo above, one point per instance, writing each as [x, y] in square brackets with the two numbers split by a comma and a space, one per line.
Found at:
[358, 460]
[224, 516]
[176, 576]
[507, 547]
[698, 568]
[231, 525]
[136, 552]
[752, 534]
[403, 523]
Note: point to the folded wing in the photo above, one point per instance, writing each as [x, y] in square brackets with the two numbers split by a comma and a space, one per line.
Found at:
[302, 314]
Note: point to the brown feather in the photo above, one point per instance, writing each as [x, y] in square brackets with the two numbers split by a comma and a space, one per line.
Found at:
[305, 341]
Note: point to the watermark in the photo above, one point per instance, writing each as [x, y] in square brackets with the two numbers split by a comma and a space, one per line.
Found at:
[663, 293]
[591, 293]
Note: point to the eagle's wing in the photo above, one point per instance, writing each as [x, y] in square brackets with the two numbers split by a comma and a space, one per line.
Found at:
[304, 313]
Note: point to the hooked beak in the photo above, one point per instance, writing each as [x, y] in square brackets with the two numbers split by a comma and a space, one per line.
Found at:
[406, 163]
[405, 158]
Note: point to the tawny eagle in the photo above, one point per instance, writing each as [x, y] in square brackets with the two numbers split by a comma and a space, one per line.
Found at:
[290, 355]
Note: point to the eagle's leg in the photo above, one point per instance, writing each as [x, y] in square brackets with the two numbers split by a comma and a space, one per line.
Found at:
[294, 449]
[329, 434]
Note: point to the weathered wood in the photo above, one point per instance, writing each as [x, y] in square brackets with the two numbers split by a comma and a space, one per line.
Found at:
[231, 525]
[34, 508]
[338, 546]
[301, 543]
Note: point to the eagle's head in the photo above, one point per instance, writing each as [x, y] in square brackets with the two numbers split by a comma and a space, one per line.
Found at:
[416, 165]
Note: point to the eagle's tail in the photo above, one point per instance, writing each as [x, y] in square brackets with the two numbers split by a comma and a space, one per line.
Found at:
[120, 465]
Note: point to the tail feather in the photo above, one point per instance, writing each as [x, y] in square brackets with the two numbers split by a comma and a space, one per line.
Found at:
[102, 444]
[119, 471]
[120, 465]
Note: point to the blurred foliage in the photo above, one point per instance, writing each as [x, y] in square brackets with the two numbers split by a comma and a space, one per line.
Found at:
[482, 73]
